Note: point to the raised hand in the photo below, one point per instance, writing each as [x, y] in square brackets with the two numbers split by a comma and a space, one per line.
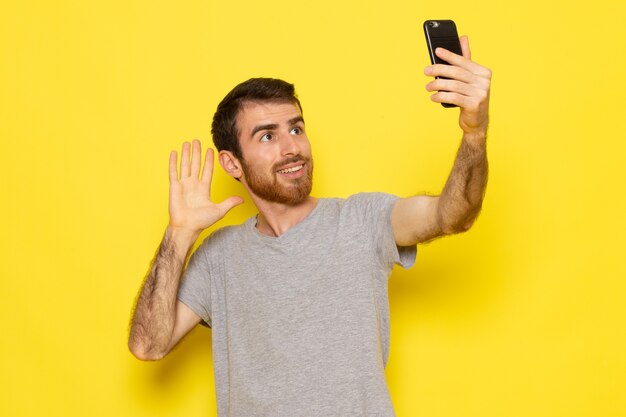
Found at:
[467, 87]
[190, 206]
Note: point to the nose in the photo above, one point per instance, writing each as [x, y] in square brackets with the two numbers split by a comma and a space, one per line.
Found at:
[289, 145]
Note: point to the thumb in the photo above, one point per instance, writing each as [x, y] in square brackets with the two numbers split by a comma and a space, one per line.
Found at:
[228, 204]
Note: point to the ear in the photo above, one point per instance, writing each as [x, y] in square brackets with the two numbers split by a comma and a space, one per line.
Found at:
[231, 164]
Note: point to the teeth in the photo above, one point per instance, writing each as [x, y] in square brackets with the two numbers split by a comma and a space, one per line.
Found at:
[292, 169]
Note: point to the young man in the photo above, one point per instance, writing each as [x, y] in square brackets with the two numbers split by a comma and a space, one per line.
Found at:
[297, 296]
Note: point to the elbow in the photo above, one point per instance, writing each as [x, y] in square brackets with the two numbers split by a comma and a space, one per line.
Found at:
[466, 226]
[454, 229]
[143, 353]
[459, 224]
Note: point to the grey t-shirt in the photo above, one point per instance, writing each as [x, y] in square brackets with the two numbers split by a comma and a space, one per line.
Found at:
[300, 322]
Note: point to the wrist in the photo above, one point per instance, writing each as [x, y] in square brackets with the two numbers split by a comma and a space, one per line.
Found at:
[476, 137]
[183, 239]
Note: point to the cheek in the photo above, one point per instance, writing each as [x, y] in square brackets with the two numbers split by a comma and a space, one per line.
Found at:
[306, 147]
[263, 157]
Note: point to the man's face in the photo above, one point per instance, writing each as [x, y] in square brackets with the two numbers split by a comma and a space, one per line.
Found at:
[277, 164]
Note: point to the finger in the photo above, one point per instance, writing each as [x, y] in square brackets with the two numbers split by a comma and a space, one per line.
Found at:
[449, 71]
[452, 86]
[465, 47]
[450, 57]
[207, 171]
[228, 204]
[460, 61]
[195, 158]
[185, 169]
[452, 98]
[446, 97]
[173, 170]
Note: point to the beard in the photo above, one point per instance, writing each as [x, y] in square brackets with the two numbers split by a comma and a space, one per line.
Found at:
[269, 188]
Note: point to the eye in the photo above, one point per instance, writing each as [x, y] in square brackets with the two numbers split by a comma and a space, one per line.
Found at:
[296, 131]
[266, 137]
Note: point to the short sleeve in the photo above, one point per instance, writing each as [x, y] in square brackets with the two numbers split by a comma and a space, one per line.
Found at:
[195, 287]
[376, 209]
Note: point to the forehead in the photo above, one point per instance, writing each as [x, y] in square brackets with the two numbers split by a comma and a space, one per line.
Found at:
[253, 114]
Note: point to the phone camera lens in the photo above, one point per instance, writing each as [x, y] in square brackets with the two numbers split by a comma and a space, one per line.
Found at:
[434, 24]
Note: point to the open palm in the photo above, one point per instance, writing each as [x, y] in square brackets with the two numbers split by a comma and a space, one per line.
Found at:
[190, 205]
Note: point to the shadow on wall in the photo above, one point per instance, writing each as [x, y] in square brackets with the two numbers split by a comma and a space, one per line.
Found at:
[453, 279]
[163, 386]
[197, 344]
[461, 280]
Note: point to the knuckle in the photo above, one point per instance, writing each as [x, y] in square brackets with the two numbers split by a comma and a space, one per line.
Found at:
[448, 97]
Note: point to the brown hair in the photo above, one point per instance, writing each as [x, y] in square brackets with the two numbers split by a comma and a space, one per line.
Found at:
[224, 127]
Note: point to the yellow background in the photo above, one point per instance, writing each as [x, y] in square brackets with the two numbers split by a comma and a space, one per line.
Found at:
[522, 316]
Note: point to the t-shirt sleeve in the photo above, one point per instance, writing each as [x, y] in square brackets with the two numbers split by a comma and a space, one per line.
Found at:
[195, 287]
[376, 209]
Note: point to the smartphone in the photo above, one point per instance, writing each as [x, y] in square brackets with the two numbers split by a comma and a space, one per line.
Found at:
[442, 33]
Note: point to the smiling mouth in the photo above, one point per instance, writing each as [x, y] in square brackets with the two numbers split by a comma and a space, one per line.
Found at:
[289, 170]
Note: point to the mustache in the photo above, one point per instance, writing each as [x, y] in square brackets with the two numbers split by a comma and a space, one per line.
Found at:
[290, 160]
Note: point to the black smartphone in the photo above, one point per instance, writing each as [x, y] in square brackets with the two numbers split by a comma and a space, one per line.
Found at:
[442, 33]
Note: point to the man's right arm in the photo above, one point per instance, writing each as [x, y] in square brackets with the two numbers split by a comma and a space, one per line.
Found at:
[159, 319]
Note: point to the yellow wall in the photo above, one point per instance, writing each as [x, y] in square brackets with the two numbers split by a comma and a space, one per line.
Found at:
[522, 316]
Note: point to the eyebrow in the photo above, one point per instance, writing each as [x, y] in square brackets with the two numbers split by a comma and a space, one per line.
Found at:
[272, 126]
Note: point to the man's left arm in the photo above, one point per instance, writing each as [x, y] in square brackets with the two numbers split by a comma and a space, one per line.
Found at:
[422, 218]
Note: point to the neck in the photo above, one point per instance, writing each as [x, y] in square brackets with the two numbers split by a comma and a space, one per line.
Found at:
[275, 219]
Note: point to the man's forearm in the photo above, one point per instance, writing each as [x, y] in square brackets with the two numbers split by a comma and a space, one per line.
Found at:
[155, 312]
[462, 196]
